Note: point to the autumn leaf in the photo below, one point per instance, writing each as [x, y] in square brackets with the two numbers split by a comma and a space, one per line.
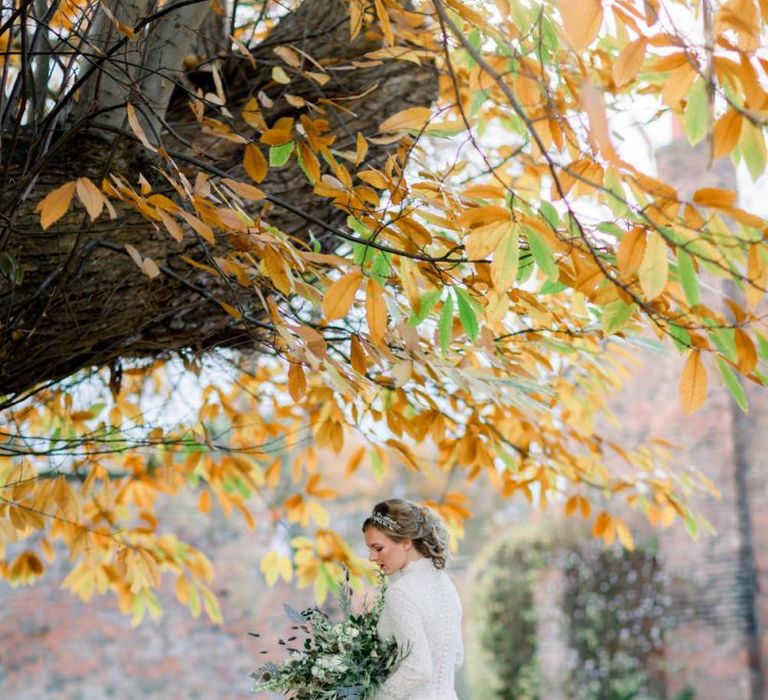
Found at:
[411, 119]
[340, 295]
[254, 162]
[376, 310]
[55, 204]
[693, 383]
[581, 21]
[629, 61]
[297, 382]
[90, 196]
[654, 268]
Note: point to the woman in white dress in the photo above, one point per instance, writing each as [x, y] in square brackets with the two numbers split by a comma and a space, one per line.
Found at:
[421, 606]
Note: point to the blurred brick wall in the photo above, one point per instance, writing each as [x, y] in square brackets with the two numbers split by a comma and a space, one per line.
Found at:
[719, 582]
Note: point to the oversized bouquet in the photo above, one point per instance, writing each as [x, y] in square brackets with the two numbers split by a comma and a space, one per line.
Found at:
[340, 660]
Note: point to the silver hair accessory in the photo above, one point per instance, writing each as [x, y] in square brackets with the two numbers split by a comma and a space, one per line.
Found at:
[384, 521]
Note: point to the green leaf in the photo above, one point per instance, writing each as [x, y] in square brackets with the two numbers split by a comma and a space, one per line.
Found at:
[695, 117]
[734, 385]
[688, 277]
[549, 212]
[467, 314]
[427, 302]
[445, 324]
[382, 267]
[550, 287]
[752, 147]
[680, 337]
[724, 340]
[376, 463]
[279, 155]
[691, 525]
[762, 346]
[477, 102]
[615, 315]
[525, 266]
[542, 254]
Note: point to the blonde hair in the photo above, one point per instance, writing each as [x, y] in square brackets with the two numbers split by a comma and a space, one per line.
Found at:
[403, 520]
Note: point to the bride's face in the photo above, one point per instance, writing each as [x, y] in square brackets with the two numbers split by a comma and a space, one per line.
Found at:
[387, 554]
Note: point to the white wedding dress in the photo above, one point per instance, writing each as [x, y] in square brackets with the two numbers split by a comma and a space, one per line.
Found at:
[422, 608]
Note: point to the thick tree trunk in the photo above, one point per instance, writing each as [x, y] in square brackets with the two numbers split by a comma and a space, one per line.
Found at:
[82, 301]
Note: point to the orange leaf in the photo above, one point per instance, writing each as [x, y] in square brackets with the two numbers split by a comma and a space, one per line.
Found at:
[55, 204]
[629, 62]
[411, 119]
[204, 503]
[631, 251]
[357, 356]
[254, 162]
[745, 349]
[726, 133]
[693, 383]
[340, 296]
[581, 21]
[375, 310]
[297, 382]
[714, 197]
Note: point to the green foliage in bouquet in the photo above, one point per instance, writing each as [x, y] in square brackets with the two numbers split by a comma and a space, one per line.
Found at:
[344, 660]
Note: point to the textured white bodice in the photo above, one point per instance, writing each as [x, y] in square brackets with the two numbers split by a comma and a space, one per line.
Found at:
[422, 608]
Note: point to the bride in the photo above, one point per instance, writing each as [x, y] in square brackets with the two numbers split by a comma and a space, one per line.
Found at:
[421, 606]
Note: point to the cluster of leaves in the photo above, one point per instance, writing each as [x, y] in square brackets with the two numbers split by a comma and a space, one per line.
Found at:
[482, 298]
[343, 659]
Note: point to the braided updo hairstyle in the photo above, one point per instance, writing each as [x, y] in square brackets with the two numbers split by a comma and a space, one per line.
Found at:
[401, 520]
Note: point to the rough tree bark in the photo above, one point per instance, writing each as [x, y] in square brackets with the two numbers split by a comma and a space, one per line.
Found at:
[82, 302]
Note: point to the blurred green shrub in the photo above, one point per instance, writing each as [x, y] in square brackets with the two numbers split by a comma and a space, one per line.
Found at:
[614, 608]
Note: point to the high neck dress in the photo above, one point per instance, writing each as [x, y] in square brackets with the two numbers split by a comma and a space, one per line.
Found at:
[422, 609]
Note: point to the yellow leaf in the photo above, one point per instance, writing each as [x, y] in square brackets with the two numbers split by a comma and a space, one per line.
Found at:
[361, 149]
[90, 196]
[254, 162]
[137, 129]
[581, 21]
[411, 119]
[506, 259]
[757, 273]
[625, 535]
[203, 229]
[340, 296]
[375, 310]
[693, 383]
[629, 61]
[654, 269]
[386, 26]
[244, 190]
[297, 382]
[171, 225]
[55, 204]
[309, 161]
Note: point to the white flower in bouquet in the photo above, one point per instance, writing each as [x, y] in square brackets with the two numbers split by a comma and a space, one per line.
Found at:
[345, 660]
